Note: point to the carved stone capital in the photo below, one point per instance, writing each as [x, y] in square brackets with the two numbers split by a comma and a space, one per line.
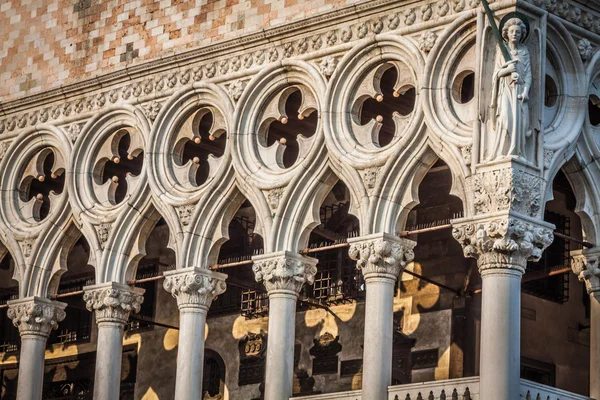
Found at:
[284, 270]
[194, 287]
[381, 254]
[113, 302]
[36, 315]
[503, 241]
[584, 264]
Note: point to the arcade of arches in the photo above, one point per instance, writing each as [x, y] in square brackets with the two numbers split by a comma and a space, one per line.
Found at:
[370, 200]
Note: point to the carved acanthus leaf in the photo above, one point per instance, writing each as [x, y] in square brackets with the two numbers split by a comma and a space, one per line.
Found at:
[284, 271]
[35, 315]
[381, 254]
[194, 287]
[584, 264]
[113, 302]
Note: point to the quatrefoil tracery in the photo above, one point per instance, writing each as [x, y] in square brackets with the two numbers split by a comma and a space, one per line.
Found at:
[118, 166]
[289, 123]
[43, 182]
[385, 101]
[199, 147]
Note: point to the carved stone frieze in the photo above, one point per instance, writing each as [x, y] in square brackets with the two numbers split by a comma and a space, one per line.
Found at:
[381, 254]
[507, 189]
[284, 270]
[584, 264]
[504, 241]
[113, 302]
[35, 315]
[194, 287]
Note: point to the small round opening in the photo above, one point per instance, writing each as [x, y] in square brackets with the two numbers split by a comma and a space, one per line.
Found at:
[551, 92]
[463, 88]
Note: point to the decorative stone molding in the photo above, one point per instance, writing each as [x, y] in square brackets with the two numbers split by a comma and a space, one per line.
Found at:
[503, 241]
[427, 41]
[327, 66]
[236, 89]
[507, 189]
[151, 110]
[36, 315]
[381, 254]
[113, 302]
[194, 287]
[584, 264]
[585, 49]
[284, 270]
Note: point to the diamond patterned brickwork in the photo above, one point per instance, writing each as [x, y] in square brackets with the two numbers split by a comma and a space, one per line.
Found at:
[47, 43]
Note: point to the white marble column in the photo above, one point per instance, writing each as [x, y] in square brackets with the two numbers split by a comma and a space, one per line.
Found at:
[585, 265]
[502, 246]
[35, 317]
[381, 257]
[112, 303]
[194, 288]
[283, 274]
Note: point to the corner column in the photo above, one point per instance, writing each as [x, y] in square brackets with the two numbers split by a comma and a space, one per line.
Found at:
[283, 274]
[194, 288]
[502, 245]
[35, 317]
[112, 303]
[585, 266]
[381, 257]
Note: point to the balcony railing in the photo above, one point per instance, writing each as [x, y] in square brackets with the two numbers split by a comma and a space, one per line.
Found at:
[463, 389]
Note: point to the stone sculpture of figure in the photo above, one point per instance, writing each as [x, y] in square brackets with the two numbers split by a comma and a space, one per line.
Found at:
[510, 95]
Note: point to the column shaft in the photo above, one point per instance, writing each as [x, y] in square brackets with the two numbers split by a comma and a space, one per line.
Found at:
[280, 348]
[31, 367]
[500, 334]
[190, 355]
[379, 326]
[594, 346]
[107, 380]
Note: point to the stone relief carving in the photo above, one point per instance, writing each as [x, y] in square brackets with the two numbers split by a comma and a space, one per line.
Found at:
[381, 254]
[327, 66]
[236, 89]
[510, 96]
[584, 264]
[185, 213]
[274, 197]
[284, 271]
[585, 49]
[27, 246]
[467, 153]
[3, 149]
[427, 41]
[36, 316]
[504, 189]
[505, 242]
[113, 302]
[73, 131]
[151, 110]
[370, 176]
[548, 156]
[103, 230]
[194, 287]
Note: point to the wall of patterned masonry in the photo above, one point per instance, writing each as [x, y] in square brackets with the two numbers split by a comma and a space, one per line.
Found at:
[47, 43]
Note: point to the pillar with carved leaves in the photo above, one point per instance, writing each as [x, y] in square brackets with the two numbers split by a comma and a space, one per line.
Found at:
[585, 265]
[381, 257]
[112, 303]
[195, 289]
[283, 274]
[35, 317]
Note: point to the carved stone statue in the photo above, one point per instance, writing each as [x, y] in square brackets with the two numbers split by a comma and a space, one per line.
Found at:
[510, 95]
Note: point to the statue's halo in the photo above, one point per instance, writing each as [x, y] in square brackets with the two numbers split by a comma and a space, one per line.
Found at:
[518, 15]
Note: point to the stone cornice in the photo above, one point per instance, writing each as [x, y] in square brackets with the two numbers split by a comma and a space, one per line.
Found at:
[503, 240]
[381, 254]
[113, 302]
[194, 287]
[584, 264]
[284, 271]
[36, 316]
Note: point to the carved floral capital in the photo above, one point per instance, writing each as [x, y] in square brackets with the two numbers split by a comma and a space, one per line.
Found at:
[113, 302]
[381, 254]
[584, 264]
[194, 287]
[284, 270]
[503, 241]
[36, 315]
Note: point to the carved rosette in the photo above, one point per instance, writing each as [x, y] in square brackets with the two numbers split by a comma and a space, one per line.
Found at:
[584, 264]
[503, 241]
[284, 271]
[379, 254]
[113, 302]
[194, 287]
[36, 316]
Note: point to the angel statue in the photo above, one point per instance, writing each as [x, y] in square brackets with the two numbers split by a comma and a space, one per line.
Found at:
[510, 94]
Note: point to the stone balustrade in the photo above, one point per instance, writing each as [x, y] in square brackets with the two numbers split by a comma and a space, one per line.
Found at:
[463, 388]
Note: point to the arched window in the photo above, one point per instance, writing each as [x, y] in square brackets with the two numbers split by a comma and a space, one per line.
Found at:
[213, 380]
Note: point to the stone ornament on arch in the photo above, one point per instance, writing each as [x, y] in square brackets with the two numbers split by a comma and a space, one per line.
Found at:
[113, 302]
[381, 254]
[36, 316]
[194, 287]
[284, 271]
[189, 143]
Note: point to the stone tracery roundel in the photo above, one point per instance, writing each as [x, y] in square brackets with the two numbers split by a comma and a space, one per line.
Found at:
[278, 123]
[375, 104]
[190, 142]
